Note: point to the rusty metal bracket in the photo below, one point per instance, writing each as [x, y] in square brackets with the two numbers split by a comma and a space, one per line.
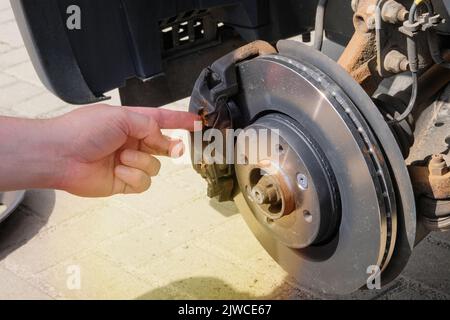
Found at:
[432, 188]
[432, 181]
[212, 98]
[359, 58]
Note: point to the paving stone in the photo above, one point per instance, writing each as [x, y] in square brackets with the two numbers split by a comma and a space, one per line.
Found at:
[430, 265]
[4, 47]
[25, 72]
[16, 93]
[171, 192]
[58, 112]
[443, 237]
[56, 207]
[99, 279]
[366, 294]
[145, 244]
[7, 112]
[115, 98]
[38, 105]
[180, 105]
[203, 276]
[5, 4]
[10, 34]
[6, 15]
[287, 292]
[79, 234]
[12, 57]
[263, 264]
[13, 288]
[17, 230]
[411, 290]
[231, 240]
[66, 108]
[6, 80]
[158, 293]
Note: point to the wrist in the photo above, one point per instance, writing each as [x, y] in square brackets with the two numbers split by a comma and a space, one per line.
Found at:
[31, 154]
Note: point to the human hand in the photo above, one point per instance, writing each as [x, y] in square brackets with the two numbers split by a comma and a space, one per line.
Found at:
[95, 151]
[111, 150]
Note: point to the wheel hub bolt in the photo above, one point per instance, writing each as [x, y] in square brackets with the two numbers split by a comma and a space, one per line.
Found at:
[265, 191]
[302, 181]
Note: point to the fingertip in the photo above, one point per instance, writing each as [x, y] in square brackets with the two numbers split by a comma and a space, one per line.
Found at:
[136, 181]
[177, 149]
[128, 156]
[156, 168]
[122, 171]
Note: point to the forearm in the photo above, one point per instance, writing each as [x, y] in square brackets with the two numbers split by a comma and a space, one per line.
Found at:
[30, 154]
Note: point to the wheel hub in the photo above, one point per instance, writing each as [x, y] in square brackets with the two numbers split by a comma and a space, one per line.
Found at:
[291, 192]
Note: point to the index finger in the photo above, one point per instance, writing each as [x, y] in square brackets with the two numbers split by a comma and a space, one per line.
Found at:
[168, 119]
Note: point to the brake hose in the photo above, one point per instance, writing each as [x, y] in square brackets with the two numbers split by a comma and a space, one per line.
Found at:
[319, 27]
[413, 60]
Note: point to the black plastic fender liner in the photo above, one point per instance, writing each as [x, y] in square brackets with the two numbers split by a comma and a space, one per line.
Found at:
[55, 65]
[122, 40]
[406, 201]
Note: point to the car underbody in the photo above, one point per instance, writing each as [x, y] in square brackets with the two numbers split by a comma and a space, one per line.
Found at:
[359, 96]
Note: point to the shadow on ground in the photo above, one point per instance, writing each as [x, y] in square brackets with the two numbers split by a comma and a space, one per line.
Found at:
[209, 288]
[206, 288]
[198, 288]
[23, 225]
[227, 209]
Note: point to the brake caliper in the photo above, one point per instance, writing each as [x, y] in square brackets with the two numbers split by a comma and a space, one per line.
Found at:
[212, 98]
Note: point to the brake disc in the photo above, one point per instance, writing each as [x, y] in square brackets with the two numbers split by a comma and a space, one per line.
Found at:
[333, 205]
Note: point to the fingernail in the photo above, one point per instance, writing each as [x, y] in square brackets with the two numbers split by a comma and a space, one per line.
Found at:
[177, 150]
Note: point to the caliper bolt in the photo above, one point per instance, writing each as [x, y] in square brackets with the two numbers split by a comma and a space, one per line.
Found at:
[438, 166]
[396, 62]
[394, 12]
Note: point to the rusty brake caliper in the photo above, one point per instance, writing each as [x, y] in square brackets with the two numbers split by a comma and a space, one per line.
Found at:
[212, 98]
